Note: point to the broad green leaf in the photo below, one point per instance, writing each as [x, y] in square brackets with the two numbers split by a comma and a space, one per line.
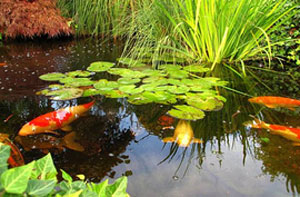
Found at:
[196, 68]
[44, 169]
[131, 62]
[179, 74]
[105, 85]
[127, 88]
[118, 71]
[76, 82]
[128, 81]
[65, 94]
[170, 67]
[90, 92]
[149, 87]
[75, 194]
[52, 76]
[100, 188]
[186, 112]
[15, 179]
[100, 66]
[114, 94]
[180, 90]
[175, 82]
[79, 73]
[207, 104]
[66, 176]
[118, 188]
[40, 187]
[154, 73]
[139, 100]
[132, 74]
[4, 155]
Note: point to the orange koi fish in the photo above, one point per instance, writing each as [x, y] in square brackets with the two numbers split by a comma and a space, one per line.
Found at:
[52, 121]
[2, 63]
[183, 134]
[289, 133]
[275, 101]
[46, 142]
[165, 120]
[15, 159]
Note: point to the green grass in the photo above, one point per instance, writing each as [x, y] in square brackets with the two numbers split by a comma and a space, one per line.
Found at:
[213, 31]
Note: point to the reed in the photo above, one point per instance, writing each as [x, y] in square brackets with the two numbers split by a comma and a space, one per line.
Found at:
[213, 31]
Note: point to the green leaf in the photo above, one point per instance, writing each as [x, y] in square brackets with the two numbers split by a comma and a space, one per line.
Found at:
[196, 68]
[265, 139]
[179, 74]
[186, 112]
[15, 179]
[65, 94]
[170, 67]
[66, 176]
[44, 169]
[132, 74]
[76, 82]
[100, 188]
[154, 73]
[131, 62]
[40, 187]
[52, 76]
[118, 188]
[118, 71]
[79, 73]
[128, 81]
[90, 92]
[100, 66]
[105, 85]
[4, 155]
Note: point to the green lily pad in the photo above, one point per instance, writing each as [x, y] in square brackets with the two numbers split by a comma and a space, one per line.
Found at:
[105, 85]
[196, 68]
[180, 90]
[170, 67]
[133, 74]
[139, 100]
[79, 73]
[131, 62]
[56, 86]
[100, 66]
[114, 94]
[149, 87]
[65, 94]
[186, 112]
[76, 82]
[52, 76]
[90, 92]
[160, 97]
[179, 74]
[154, 73]
[128, 81]
[207, 104]
[127, 88]
[118, 71]
[175, 82]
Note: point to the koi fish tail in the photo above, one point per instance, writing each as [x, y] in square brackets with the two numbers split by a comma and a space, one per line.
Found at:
[69, 142]
[196, 140]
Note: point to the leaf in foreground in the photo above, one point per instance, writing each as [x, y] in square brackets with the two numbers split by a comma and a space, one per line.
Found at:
[4, 155]
[15, 180]
[40, 187]
[44, 168]
[118, 188]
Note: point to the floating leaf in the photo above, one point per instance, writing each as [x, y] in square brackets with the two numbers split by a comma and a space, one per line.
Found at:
[170, 67]
[65, 94]
[132, 74]
[118, 71]
[180, 90]
[100, 66]
[115, 94]
[130, 89]
[139, 100]
[196, 68]
[90, 92]
[15, 179]
[154, 73]
[76, 82]
[186, 112]
[149, 87]
[179, 74]
[105, 85]
[128, 81]
[207, 104]
[79, 73]
[52, 76]
[40, 187]
[131, 62]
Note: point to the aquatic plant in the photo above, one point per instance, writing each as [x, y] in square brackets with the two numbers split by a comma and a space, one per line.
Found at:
[170, 84]
[38, 178]
[213, 31]
[32, 18]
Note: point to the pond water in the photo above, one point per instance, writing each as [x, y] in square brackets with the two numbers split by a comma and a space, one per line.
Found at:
[124, 139]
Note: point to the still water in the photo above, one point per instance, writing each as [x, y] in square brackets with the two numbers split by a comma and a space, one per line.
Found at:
[124, 139]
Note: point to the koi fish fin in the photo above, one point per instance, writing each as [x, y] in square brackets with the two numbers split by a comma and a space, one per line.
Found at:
[196, 140]
[66, 128]
[53, 132]
[69, 142]
[270, 106]
[168, 139]
[296, 144]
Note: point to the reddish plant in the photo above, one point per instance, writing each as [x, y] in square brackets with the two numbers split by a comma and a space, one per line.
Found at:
[29, 18]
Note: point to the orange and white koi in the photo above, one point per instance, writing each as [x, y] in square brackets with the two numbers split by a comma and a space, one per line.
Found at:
[46, 142]
[59, 119]
[183, 134]
[15, 159]
[289, 133]
[275, 101]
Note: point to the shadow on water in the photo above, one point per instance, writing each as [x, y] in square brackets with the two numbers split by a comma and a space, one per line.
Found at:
[123, 139]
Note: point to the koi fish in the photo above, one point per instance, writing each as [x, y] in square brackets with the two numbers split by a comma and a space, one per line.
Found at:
[2, 63]
[275, 101]
[289, 133]
[15, 159]
[46, 142]
[165, 120]
[183, 134]
[59, 119]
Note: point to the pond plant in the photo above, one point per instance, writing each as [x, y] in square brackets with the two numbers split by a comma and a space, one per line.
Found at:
[39, 178]
[171, 84]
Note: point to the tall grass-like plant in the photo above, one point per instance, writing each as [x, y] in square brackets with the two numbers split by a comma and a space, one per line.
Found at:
[207, 30]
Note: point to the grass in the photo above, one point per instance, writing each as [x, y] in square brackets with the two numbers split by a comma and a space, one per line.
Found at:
[213, 31]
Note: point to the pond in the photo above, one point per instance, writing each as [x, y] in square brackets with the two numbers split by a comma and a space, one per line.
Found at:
[124, 139]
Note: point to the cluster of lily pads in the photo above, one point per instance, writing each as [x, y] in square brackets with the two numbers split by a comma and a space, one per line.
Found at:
[169, 84]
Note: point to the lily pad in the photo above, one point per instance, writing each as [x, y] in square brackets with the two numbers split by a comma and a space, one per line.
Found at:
[207, 104]
[79, 73]
[179, 74]
[186, 112]
[76, 82]
[127, 88]
[196, 68]
[65, 94]
[131, 62]
[180, 90]
[154, 73]
[91, 92]
[139, 100]
[149, 87]
[100, 66]
[170, 67]
[115, 94]
[52, 76]
[118, 71]
[133, 74]
[128, 81]
[105, 85]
